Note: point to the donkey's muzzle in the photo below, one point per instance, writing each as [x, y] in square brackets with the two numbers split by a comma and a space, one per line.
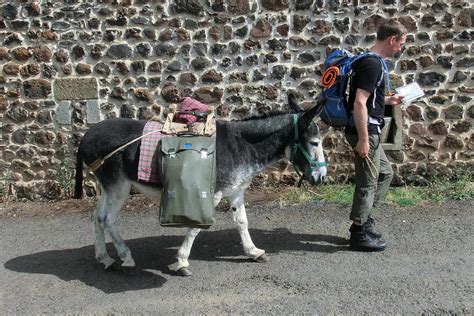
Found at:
[318, 176]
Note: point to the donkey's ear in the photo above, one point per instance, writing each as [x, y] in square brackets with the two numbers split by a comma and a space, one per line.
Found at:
[293, 103]
[310, 114]
[319, 104]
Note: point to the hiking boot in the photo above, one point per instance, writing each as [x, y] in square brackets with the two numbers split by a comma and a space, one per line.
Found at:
[369, 228]
[361, 240]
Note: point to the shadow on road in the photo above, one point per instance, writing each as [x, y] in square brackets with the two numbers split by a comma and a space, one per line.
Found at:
[156, 253]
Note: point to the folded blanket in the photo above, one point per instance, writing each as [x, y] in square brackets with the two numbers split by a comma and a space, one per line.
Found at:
[148, 168]
[190, 105]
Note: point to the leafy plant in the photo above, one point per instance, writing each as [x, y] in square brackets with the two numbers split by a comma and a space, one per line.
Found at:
[5, 185]
[65, 175]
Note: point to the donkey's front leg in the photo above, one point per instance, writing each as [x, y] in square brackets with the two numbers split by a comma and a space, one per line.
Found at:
[180, 267]
[240, 219]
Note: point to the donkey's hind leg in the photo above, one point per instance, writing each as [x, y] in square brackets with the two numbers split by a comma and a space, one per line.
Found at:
[99, 236]
[115, 197]
[240, 220]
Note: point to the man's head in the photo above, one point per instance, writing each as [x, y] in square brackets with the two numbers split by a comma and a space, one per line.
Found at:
[391, 35]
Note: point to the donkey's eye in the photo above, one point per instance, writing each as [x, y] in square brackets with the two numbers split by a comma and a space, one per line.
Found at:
[315, 144]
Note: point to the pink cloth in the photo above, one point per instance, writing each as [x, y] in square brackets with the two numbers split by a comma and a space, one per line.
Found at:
[148, 169]
[190, 105]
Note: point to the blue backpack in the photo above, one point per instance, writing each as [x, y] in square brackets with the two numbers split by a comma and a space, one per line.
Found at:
[337, 70]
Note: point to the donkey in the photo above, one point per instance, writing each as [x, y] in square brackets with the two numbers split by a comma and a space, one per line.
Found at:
[243, 149]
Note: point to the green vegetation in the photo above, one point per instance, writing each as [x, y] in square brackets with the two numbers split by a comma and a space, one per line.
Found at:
[460, 189]
[334, 193]
[65, 175]
[5, 182]
[406, 196]
[438, 190]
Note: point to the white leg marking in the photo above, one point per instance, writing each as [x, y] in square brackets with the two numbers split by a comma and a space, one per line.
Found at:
[240, 220]
[185, 250]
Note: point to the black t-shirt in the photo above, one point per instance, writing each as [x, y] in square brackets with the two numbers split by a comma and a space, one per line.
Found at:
[367, 73]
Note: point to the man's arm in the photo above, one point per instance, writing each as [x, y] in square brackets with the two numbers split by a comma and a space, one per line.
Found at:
[361, 118]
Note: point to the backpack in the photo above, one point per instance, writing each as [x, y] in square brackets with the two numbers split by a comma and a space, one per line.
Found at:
[337, 70]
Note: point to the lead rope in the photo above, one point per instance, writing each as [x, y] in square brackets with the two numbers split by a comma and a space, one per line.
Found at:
[295, 149]
[371, 166]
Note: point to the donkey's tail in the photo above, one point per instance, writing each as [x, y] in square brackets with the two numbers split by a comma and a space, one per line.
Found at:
[79, 176]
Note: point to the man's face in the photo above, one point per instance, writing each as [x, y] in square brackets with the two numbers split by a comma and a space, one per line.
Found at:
[396, 44]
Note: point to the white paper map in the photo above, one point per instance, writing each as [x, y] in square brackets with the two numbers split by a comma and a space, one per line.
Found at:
[411, 92]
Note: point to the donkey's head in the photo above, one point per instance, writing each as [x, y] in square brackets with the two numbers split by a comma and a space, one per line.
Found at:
[306, 153]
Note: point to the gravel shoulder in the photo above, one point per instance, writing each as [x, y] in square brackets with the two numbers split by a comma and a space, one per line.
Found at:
[48, 263]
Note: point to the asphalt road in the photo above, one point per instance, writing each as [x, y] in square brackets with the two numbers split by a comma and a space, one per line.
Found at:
[48, 265]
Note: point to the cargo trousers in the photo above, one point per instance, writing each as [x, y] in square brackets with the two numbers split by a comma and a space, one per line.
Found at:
[371, 181]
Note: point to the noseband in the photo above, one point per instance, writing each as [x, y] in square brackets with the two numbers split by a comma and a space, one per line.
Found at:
[313, 164]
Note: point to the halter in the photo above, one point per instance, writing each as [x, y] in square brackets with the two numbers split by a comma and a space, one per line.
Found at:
[297, 146]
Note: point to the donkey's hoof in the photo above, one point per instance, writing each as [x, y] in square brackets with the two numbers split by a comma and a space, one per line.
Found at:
[184, 272]
[113, 267]
[129, 263]
[263, 258]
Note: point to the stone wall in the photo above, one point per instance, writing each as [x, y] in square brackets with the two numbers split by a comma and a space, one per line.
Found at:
[68, 64]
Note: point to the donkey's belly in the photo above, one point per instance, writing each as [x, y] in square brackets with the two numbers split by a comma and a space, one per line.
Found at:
[229, 189]
[153, 191]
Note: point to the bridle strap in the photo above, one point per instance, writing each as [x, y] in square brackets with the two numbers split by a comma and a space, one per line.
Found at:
[297, 146]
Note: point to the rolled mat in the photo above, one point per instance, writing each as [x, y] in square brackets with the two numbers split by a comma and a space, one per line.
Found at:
[330, 76]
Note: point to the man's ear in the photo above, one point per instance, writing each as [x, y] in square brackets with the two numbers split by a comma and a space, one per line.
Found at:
[392, 39]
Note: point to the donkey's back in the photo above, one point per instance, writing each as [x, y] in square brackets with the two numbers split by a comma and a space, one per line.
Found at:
[106, 136]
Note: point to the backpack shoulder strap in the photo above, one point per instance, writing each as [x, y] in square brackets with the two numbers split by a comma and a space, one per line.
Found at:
[382, 62]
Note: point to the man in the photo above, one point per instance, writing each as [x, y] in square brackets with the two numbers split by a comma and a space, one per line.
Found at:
[367, 100]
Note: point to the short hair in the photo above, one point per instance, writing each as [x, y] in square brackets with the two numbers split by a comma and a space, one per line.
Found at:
[391, 28]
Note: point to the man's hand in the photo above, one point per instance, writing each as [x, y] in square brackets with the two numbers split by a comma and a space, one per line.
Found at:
[394, 99]
[362, 148]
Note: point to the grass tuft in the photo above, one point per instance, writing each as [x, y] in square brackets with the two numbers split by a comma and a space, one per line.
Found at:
[439, 190]
[298, 196]
[405, 196]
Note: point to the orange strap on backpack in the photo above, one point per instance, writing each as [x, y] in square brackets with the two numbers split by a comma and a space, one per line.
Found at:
[330, 76]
